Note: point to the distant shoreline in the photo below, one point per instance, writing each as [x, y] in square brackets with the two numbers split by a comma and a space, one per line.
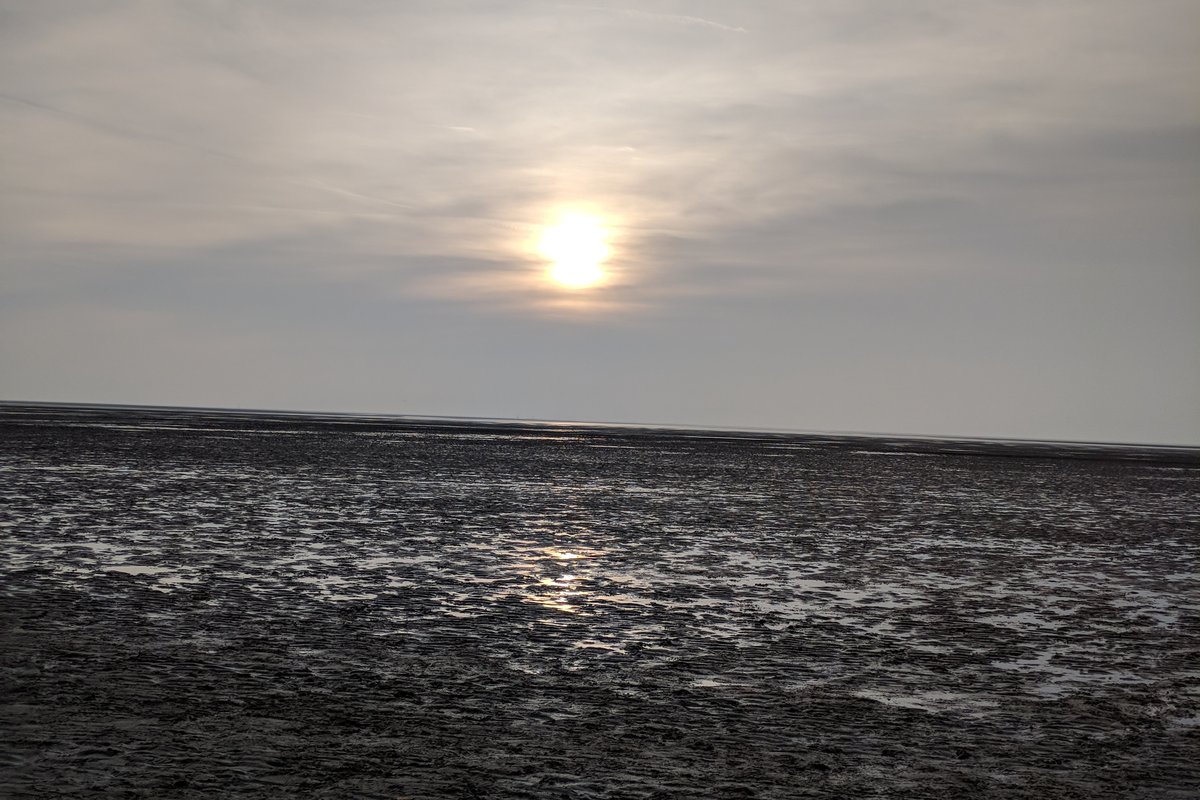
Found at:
[867, 442]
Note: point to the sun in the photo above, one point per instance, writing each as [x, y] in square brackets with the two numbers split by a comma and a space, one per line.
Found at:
[576, 245]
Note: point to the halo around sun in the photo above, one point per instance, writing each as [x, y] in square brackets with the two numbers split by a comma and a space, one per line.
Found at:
[576, 246]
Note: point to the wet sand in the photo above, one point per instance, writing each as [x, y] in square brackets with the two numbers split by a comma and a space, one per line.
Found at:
[200, 605]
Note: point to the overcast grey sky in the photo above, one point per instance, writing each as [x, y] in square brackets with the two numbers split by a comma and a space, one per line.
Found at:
[958, 218]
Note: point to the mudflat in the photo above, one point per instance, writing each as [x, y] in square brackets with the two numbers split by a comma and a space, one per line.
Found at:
[197, 604]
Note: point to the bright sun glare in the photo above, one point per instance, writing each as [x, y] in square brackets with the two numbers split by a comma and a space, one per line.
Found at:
[576, 246]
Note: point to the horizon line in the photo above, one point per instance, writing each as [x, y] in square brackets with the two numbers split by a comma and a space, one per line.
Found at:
[662, 427]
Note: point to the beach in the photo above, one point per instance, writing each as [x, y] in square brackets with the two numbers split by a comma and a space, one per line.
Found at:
[200, 604]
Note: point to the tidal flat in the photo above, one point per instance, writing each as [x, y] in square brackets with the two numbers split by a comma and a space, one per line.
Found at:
[201, 604]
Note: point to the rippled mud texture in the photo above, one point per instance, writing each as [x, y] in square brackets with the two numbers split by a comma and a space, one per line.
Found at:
[210, 606]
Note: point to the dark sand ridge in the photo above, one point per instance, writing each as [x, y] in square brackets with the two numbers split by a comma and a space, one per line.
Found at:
[218, 606]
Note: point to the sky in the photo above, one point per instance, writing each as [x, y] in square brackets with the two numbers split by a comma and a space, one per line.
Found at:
[922, 217]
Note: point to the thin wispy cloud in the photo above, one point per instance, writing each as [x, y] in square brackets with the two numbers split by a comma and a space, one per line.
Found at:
[679, 19]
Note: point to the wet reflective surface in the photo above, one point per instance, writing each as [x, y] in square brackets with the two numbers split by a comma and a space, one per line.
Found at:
[198, 605]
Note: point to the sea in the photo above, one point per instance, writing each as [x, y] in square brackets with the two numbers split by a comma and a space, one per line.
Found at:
[200, 603]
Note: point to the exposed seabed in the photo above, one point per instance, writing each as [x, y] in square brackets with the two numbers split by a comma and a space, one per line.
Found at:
[207, 605]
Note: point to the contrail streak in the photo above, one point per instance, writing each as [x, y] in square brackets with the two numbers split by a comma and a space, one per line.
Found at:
[134, 133]
[679, 19]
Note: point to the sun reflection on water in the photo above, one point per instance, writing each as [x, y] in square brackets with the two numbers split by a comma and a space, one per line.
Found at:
[560, 579]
